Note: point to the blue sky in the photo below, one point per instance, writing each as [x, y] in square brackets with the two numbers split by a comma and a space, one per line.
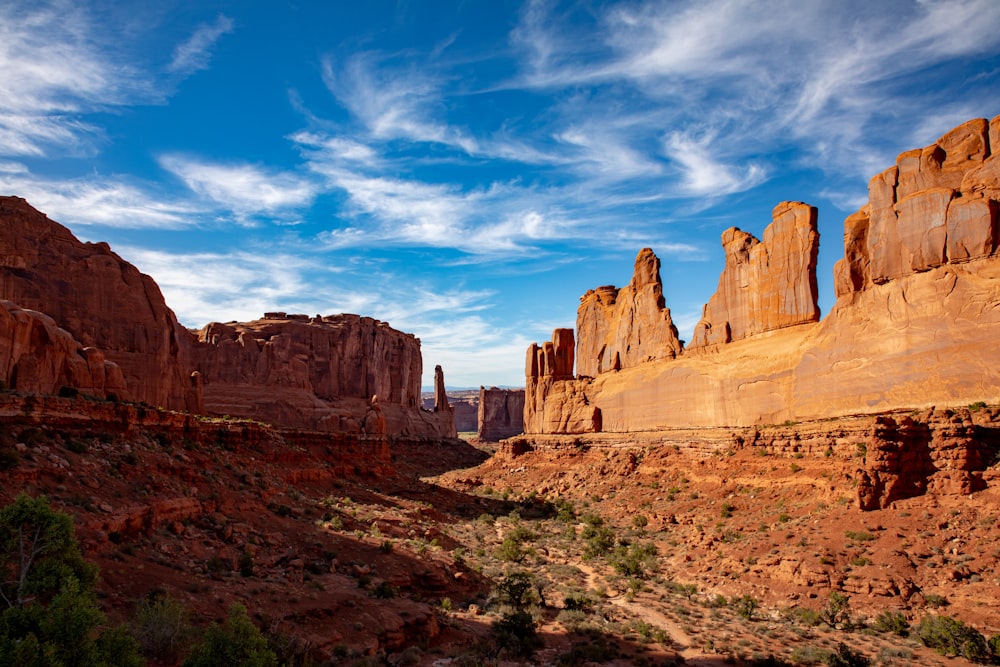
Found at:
[466, 170]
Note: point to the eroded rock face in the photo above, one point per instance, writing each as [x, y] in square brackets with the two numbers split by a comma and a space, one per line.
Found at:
[914, 326]
[36, 356]
[937, 205]
[765, 285]
[621, 328]
[501, 413]
[101, 300]
[318, 373]
[940, 451]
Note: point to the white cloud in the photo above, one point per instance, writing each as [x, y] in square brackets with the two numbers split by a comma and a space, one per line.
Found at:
[103, 202]
[823, 77]
[242, 188]
[703, 174]
[50, 72]
[195, 53]
[392, 104]
[219, 287]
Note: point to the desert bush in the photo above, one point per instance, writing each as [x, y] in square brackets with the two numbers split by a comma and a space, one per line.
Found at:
[952, 637]
[746, 606]
[809, 655]
[600, 539]
[892, 621]
[515, 634]
[598, 652]
[837, 610]
[634, 560]
[516, 589]
[860, 535]
[162, 627]
[846, 657]
[935, 600]
[236, 642]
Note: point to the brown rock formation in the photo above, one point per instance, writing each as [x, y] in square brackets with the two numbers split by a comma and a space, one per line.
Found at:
[317, 373]
[941, 451]
[549, 371]
[914, 326]
[440, 395]
[36, 356]
[937, 205]
[621, 328]
[765, 285]
[501, 413]
[100, 300]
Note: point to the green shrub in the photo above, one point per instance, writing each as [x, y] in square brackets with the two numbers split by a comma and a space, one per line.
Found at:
[952, 637]
[162, 626]
[838, 609]
[236, 642]
[517, 589]
[746, 606]
[516, 635]
[845, 657]
[51, 615]
[600, 539]
[860, 535]
[634, 560]
[892, 621]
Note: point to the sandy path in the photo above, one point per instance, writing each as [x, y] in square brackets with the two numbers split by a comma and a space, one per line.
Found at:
[679, 638]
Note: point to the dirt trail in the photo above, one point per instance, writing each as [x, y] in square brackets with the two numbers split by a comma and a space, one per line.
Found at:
[679, 638]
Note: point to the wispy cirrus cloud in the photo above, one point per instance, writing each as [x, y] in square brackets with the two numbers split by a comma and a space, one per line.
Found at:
[195, 53]
[50, 73]
[826, 79]
[244, 189]
[107, 202]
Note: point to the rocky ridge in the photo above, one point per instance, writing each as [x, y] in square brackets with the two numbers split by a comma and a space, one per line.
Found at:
[76, 317]
[918, 306]
[501, 413]
[102, 301]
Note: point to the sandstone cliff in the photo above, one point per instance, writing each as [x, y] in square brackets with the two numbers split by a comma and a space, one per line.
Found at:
[38, 357]
[76, 315]
[317, 373]
[765, 285]
[501, 413]
[100, 300]
[914, 325]
[621, 328]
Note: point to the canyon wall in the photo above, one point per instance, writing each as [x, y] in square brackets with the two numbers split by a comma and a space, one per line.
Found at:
[765, 285]
[914, 324]
[501, 413]
[319, 373]
[75, 317]
[100, 300]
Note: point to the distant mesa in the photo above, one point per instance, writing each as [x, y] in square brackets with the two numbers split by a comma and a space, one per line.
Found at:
[77, 316]
[914, 325]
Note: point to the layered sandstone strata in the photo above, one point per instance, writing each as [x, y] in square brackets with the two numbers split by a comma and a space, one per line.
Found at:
[765, 285]
[76, 315]
[501, 413]
[914, 325]
[621, 328]
[319, 373]
[101, 300]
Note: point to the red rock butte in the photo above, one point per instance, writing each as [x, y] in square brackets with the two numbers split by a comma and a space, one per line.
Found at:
[914, 324]
[77, 316]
